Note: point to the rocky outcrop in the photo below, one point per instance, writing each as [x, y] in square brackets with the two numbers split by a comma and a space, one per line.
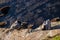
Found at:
[32, 11]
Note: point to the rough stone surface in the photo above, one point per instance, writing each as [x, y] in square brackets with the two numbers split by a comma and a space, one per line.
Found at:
[31, 11]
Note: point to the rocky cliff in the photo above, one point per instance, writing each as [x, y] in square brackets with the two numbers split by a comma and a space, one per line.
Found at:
[30, 11]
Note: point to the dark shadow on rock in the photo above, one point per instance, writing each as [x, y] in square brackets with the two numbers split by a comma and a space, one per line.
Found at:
[4, 10]
[55, 27]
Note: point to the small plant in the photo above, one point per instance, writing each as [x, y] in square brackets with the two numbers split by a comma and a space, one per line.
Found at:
[56, 38]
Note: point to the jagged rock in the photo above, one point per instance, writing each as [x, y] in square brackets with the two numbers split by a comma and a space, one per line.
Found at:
[24, 25]
[14, 25]
[48, 9]
[30, 27]
[33, 12]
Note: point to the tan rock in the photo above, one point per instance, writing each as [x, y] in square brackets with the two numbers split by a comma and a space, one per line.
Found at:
[2, 23]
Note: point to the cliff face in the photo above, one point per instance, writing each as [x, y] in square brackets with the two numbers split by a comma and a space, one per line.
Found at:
[31, 11]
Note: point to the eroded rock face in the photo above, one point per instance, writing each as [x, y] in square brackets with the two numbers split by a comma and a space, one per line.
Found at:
[32, 11]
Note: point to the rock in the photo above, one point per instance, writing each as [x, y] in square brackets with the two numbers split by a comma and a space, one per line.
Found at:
[2, 23]
[53, 33]
[24, 25]
[30, 27]
[14, 25]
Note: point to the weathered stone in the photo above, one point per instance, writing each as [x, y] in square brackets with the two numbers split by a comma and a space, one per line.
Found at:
[2, 23]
